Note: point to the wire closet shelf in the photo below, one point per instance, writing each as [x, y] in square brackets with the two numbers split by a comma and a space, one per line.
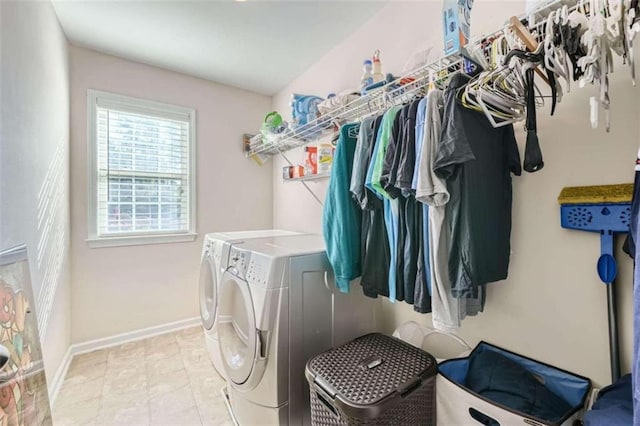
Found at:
[372, 103]
[398, 91]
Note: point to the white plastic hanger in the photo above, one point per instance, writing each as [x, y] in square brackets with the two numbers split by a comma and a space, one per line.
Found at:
[554, 57]
[631, 30]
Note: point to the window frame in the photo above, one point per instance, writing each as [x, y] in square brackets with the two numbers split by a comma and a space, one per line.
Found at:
[142, 106]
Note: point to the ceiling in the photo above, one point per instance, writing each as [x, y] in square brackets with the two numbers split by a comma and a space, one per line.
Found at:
[255, 45]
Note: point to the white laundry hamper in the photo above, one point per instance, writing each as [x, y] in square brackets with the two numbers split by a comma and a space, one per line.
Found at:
[458, 405]
[441, 345]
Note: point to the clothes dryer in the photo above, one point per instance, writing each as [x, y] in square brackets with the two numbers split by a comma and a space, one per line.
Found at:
[278, 307]
[214, 257]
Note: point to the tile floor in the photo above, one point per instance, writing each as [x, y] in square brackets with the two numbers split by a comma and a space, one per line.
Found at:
[163, 380]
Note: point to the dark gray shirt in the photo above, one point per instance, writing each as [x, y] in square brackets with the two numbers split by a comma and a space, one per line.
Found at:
[477, 160]
[407, 157]
[374, 243]
[392, 155]
[363, 195]
[361, 161]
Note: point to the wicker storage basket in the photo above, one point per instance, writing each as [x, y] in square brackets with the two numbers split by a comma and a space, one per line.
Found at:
[373, 380]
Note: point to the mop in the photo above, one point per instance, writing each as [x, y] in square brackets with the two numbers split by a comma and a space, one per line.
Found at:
[605, 209]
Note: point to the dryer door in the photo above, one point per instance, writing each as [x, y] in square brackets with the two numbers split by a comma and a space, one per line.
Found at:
[237, 328]
[208, 279]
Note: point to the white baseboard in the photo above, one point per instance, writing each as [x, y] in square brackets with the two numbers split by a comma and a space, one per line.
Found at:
[106, 342]
[61, 373]
[132, 336]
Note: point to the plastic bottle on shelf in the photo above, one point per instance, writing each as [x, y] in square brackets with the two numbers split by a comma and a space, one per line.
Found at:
[325, 158]
[367, 76]
[378, 76]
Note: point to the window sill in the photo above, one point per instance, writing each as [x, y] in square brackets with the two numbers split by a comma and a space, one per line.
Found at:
[139, 240]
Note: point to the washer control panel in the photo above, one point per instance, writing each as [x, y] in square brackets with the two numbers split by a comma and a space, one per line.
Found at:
[215, 249]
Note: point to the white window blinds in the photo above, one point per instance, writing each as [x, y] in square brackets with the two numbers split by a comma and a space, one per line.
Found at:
[143, 167]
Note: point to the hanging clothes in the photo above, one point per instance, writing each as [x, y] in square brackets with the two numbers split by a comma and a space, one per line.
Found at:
[391, 213]
[477, 161]
[361, 158]
[415, 286]
[375, 253]
[389, 170]
[419, 137]
[341, 217]
[407, 158]
[391, 155]
[414, 281]
[420, 129]
[424, 266]
[374, 174]
[431, 189]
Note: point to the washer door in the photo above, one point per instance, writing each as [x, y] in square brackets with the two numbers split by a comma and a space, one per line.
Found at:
[237, 328]
[208, 299]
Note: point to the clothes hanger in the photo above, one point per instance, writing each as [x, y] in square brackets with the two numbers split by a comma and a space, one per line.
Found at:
[499, 95]
[528, 39]
[553, 55]
[468, 94]
[564, 31]
[631, 30]
[614, 27]
[598, 62]
[432, 80]
[498, 117]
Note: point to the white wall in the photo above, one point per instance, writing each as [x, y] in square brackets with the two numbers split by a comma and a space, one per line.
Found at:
[552, 307]
[120, 289]
[34, 161]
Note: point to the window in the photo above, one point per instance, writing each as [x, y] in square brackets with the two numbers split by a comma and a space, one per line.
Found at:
[142, 171]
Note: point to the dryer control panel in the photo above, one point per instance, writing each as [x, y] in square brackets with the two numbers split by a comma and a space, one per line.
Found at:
[259, 270]
[253, 267]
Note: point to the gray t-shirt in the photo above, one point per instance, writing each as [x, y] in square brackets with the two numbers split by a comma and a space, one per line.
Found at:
[361, 161]
[477, 160]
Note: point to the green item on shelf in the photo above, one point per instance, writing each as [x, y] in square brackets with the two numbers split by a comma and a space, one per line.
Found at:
[273, 125]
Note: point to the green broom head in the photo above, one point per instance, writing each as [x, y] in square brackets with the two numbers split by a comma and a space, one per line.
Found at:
[598, 194]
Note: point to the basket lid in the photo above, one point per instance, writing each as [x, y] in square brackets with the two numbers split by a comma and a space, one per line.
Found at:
[371, 368]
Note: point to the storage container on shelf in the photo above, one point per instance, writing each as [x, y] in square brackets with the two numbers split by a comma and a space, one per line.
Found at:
[325, 158]
[378, 75]
[367, 75]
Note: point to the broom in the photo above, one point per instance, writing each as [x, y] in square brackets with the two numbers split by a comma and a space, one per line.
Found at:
[605, 209]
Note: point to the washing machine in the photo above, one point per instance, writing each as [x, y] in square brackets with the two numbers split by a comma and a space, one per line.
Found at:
[277, 308]
[215, 253]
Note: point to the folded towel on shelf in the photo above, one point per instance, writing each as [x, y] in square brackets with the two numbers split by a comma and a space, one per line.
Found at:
[337, 101]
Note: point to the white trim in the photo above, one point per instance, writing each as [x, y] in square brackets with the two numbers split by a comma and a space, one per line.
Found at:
[135, 105]
[139, 240]
[58, 379]
[132, 336]
[107, 99]
[92, 181]
[193, 172]
[107, 342]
